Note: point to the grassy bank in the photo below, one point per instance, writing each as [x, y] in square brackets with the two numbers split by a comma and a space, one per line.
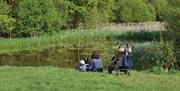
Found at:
[71, 36]
[59, 79]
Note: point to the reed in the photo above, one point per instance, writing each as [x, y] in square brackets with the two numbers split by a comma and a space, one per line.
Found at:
[71, 36]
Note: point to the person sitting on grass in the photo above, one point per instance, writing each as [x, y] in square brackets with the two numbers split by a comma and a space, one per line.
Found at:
[87, 62]
[96, 63]
[82, 66]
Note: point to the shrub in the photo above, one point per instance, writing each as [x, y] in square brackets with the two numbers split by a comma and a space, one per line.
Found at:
[37, 16]
[133, 11]
[160, 8]
[4, 8]
[144, 57]
[7, 24]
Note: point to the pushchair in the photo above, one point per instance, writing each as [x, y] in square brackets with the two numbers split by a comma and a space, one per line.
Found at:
[121, 63]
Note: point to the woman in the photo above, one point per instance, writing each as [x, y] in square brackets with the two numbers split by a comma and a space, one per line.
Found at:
[96, 63]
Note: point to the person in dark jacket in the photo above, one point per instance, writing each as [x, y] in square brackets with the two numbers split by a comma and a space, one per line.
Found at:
[96, 63]
[128, 57]
[122, 60]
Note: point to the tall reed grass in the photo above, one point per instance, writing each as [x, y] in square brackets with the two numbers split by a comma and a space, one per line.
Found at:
[68, 36]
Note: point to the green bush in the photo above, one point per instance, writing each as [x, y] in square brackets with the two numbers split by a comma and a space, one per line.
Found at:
[173, 14]
[145, 57]
[105, 10]
[66, 8]
[133, 11]
[35, 17]
[4, 8]
[166, 51]
[134, 35]
[156, 70]
[89, 13]
[7, 24]
[161, 7]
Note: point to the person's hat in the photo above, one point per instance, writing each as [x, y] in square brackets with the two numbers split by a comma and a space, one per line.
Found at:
[121, 49]
[82, 62]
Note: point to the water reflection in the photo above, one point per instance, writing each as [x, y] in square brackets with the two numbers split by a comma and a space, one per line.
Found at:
[67, 56]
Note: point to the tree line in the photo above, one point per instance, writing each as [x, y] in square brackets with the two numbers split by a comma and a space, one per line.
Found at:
[25, 18]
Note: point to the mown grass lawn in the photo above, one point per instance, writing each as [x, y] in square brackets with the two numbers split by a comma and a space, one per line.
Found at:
[60, 79]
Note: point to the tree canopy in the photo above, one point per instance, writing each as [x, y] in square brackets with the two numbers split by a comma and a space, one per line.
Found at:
[34, 17]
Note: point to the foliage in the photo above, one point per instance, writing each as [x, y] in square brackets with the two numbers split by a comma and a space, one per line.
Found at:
[145, 56]
[173, 14]
[11, 2]
[34, 17]
[161, 7]
[37, 17]
[4, 8]
[105, 10]
[89, 13]
[133, 11]
[171, 41]
[42, 16]
[137, 35]
[7, 24]
[66, 8]
[166, 54]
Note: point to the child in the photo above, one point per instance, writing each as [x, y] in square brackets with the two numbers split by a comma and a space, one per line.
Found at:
[83, 67]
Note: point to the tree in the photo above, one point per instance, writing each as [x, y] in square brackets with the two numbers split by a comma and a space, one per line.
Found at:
[89, 13]
[35, 17]
[4, 8]
[10, 1]
[66, 8]
[160, 7]
[170, 40]
[133, 11]
[105, 10]
[173, 15]
[7, 24]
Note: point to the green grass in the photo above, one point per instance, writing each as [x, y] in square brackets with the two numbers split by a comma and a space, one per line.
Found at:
[69, 36]
[48, 40]
[59, 79]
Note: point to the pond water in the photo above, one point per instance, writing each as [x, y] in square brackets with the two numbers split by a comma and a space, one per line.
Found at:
[66, 56]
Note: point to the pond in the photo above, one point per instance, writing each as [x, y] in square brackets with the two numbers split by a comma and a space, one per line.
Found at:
[66, 56]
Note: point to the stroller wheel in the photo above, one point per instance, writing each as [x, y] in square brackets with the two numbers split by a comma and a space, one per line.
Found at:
[129, 73]
[110, 69]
